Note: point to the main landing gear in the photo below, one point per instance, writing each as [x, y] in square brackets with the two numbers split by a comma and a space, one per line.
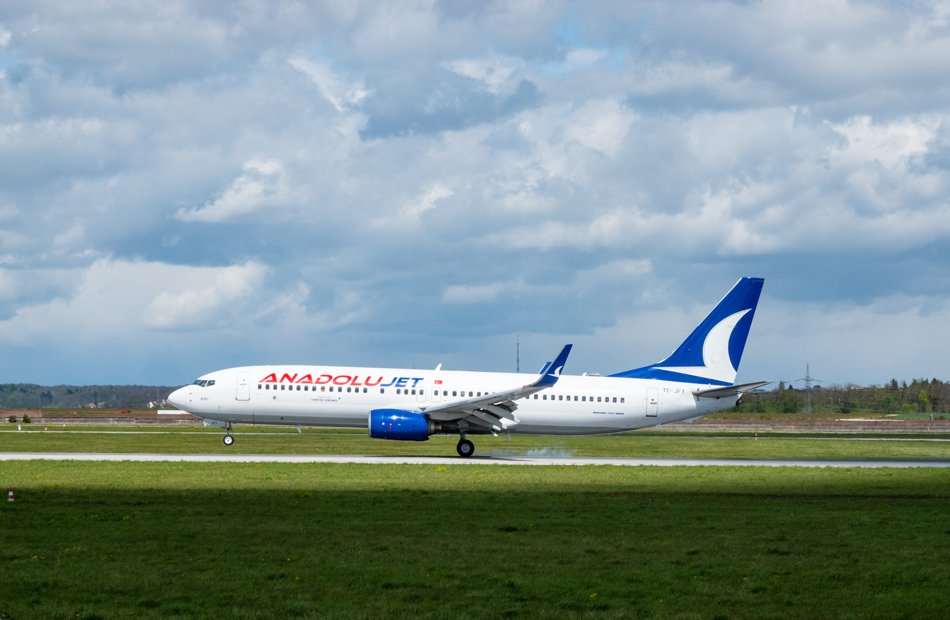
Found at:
[229, 438]
[465, 448]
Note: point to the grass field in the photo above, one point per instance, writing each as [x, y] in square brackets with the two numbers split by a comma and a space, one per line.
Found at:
[276, 440]
[160, 540]
[210, 540]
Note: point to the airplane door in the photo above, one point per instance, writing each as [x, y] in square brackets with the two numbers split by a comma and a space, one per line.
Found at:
[243, 386]
[653, 402]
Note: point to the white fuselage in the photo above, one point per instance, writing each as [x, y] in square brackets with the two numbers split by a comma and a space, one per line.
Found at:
[344, 396]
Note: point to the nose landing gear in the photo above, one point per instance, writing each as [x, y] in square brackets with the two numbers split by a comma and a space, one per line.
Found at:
[229, 438]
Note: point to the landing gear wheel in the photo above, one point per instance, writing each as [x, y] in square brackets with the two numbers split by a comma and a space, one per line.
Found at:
[465, 448]
[228, 440]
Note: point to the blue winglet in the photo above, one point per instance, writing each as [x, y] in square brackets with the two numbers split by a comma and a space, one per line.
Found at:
[553, 371]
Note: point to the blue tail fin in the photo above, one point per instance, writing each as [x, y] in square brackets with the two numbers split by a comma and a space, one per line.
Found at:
[712, 352]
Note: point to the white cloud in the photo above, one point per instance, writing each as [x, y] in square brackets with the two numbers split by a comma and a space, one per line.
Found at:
[7, 286]
[678, 77]
[582, 57]
[494, 73]
[342, 94]
[618, 268]
[892, 336]
[120, 301]
[478, 293]
[402, 31]
[427, 201]
[204, 301]
[72, 236]
[601, 126]
[261, 184]
[889, 144]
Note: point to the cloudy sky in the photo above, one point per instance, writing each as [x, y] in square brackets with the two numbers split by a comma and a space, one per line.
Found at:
[187, 186]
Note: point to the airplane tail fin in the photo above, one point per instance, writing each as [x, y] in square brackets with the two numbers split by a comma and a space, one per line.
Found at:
[712, 352]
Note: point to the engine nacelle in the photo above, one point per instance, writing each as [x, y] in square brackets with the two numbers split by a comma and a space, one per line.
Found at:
[400, 424]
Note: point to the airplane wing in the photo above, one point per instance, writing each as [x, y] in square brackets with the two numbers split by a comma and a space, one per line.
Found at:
[495, 412]
[729, 390]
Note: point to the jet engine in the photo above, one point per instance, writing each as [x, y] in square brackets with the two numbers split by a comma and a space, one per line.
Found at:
[401, 425]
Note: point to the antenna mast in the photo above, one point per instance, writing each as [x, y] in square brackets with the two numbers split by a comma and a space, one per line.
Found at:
[517, 352]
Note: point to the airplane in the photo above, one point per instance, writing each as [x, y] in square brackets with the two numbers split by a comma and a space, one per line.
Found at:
[411, 405]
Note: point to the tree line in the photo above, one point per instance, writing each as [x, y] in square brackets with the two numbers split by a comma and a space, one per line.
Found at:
[918, 396]
[32, 396]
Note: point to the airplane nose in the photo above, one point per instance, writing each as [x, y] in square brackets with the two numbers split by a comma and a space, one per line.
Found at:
[179, 398]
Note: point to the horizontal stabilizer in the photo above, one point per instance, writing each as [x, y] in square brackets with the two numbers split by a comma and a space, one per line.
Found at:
[729, 390]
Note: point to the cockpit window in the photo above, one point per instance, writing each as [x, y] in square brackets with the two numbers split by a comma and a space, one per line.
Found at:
[204, 382]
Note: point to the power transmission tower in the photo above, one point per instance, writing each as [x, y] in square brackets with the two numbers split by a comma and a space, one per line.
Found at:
[808, 379]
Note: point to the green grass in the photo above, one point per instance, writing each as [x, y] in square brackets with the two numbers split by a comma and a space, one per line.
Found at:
[270, 440]
[159, 540]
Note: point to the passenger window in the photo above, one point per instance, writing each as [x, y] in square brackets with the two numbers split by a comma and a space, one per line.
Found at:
[621, 399]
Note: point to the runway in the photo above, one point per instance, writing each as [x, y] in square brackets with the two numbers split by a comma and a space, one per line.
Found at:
[441, 460]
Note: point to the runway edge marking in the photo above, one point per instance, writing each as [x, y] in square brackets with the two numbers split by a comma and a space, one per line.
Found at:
[435, 460]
